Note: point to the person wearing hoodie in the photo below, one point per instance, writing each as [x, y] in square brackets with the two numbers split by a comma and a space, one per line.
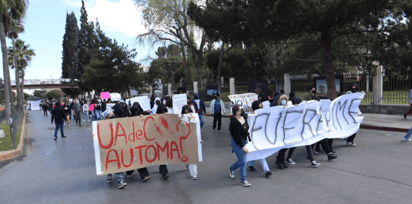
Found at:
[161, 109]
[255, 106]
[349, 140]
[238, 128]
[58, 115]
[199, 108]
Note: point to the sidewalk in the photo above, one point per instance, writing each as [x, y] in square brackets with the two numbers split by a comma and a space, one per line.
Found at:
[386, 122]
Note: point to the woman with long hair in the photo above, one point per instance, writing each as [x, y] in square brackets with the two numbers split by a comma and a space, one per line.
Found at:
[240, 136]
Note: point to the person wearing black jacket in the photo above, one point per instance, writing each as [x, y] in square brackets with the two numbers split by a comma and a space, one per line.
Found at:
[58, 116]
[137, 110]
[67, 112]
[44, 106]
[161, 109]
[238, 128]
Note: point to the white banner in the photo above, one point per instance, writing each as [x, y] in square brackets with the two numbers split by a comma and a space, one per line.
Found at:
[179, 100]
[244, 100]
[275, 128]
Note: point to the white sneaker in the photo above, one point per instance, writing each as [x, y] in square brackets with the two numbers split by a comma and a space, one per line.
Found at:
[220, 131]
[351, 144]
[290, 161]
[245, 183]
[194, 177]
[231, 173]
[407, 140]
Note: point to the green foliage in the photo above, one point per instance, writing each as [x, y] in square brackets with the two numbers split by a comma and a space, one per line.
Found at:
[39, 93]
[54, 94]
[26, 96]
[70, 47]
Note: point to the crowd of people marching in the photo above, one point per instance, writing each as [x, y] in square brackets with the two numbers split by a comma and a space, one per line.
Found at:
[63, 111]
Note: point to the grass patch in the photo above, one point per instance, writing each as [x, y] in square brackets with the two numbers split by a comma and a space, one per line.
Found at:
[6, 143]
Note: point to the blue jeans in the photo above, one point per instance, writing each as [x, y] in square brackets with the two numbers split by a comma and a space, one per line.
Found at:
[408, 135]
[98, 114]
[59, 125]
[264, 164]
[202, 120]
[241, 162]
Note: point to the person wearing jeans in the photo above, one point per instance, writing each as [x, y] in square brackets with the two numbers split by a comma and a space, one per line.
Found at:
[239, 131]
[57, 116]
[217, 108]
[199, 108]
[408, 135]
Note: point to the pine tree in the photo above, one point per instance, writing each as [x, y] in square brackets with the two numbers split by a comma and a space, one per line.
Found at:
[70, 42]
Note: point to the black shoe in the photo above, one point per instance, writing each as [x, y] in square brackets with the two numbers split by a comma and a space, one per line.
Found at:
[165, 176]
[64, 136]
[333, 151]
[284, 165]
[268, 174]
[331, 156]
[109, 178]
[55, 138]
[404, 116]
[279, 165]
[252, 168]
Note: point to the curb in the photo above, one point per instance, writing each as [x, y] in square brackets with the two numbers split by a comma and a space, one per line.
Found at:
[393, 129]
[11, 154]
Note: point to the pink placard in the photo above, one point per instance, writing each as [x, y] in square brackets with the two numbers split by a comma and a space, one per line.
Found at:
[91, 107]
[104, 95]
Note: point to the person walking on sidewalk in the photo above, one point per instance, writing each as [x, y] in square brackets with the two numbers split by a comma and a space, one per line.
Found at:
[86, 112]
[44, 106]
[77, 109]
[67, 111]
[58, 115]
[238, 128]
[199, 108]
[217, 108]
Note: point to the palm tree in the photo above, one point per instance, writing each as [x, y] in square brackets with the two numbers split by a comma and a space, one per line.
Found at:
[9, 9]
[22, 55]
[16, 28]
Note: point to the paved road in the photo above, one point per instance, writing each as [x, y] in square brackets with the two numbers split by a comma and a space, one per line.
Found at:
[377, 171]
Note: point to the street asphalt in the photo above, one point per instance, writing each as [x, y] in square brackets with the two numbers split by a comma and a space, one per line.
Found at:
[63, 171]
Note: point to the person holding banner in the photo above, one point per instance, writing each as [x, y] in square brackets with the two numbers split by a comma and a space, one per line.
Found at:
[199, 108]
[280, 158]
[137, 110]
[350, 139]
[161, 109]
[238, 128]
[217, 108]
[255, 106]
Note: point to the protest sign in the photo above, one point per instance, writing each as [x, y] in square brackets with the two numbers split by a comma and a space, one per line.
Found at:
[244, 100]
[144, 102]
[131, 143]
[109, 106]
[179, 100]
[275, 128]
[104, 95]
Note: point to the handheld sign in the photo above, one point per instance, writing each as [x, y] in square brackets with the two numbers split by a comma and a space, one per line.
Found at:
[179, 100]
[135, 142]
[244, 100]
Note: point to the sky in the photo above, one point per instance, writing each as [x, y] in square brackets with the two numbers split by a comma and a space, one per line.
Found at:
[45, 26]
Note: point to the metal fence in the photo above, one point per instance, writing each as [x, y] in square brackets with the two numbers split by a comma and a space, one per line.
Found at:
[300, 84]
[16, 121]
[396, 85]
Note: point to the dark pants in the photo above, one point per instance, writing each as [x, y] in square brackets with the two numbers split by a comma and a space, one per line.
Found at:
[217, 117]
[78, 118]
[325, 145]
[308, 151]
[45, 112]
[351, 138]
[59, 125]
[281, 156]
[143, 172]
[409, 111]
[163, 169]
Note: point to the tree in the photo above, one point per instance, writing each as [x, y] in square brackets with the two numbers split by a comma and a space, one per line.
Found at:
[39, 93]
[168, 22]
[22, 55]
[16, 28]
[70, 59]
[54, 94]
[340, 20]
[10, 9]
